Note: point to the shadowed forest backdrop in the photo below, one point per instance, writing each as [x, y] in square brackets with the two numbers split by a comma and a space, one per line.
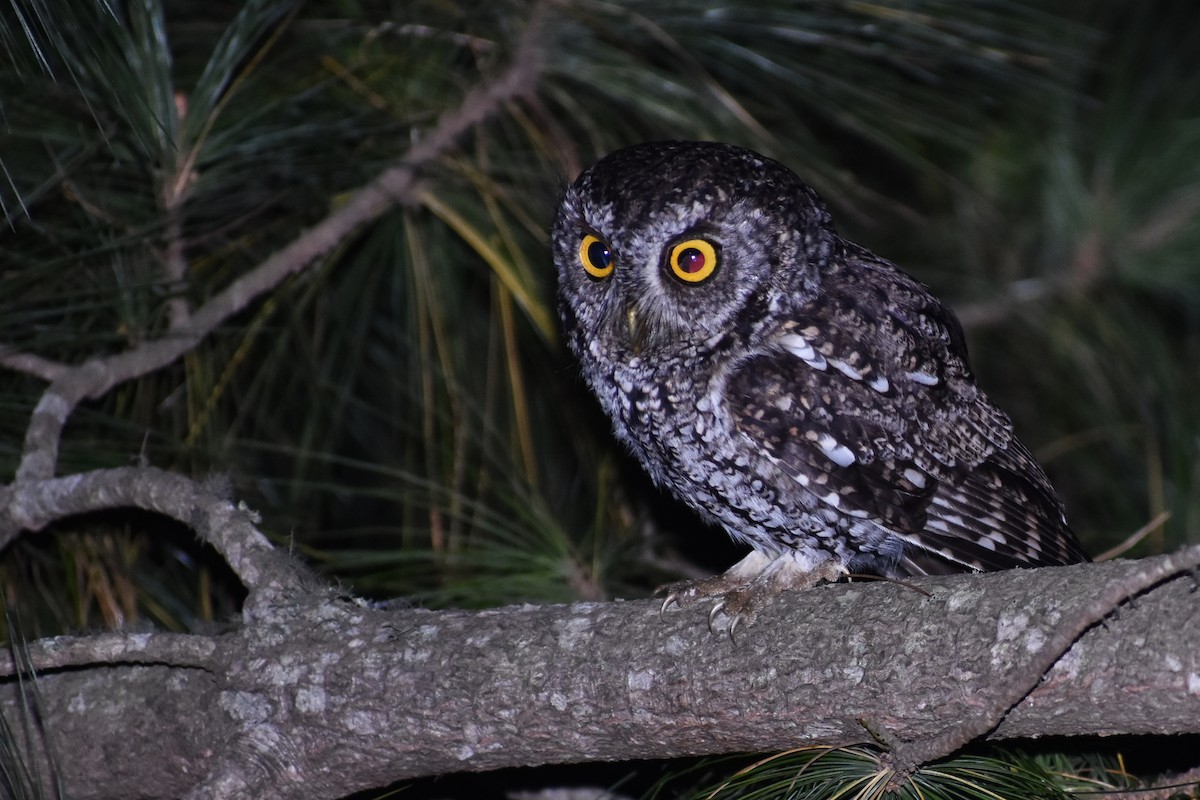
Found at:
[402, 413]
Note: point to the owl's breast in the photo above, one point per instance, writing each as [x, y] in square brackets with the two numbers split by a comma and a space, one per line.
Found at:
[655, 410]
[677, 423]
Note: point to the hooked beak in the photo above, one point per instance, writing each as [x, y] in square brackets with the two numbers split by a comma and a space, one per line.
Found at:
[637, 334]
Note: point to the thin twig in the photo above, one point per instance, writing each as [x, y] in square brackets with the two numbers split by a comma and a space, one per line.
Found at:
[30, 364]
[174, 195]
[1135, 537]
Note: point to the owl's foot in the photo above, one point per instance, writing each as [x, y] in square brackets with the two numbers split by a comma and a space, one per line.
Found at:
[749, 585]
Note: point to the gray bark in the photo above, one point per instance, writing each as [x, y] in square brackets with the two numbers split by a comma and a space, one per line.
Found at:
[326, 696]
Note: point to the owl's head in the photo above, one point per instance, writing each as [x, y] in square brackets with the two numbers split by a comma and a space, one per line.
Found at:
[666, 248]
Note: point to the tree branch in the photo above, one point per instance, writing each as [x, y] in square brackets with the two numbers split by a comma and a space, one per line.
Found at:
[291, 704]
[909, 755]
[58, 652]
[30, 364]
[270, 576]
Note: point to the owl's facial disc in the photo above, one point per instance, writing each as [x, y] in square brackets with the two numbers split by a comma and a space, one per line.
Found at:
[668, 246]
[667, 283]
[650, 295]
[647, 316]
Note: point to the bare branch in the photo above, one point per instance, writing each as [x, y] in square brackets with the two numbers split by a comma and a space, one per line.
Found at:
[1132, 539]
[1183, 784]
[229, 528]
[1000, 307]
[30, 364]
[331, 697]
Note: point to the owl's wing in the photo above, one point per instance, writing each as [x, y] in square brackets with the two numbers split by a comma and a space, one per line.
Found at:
[869, 404]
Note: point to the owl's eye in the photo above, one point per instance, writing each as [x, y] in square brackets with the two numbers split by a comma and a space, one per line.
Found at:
[693, 261]
[595, 256]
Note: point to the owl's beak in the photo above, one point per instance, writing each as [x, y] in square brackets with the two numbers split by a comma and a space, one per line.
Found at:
[637, 333]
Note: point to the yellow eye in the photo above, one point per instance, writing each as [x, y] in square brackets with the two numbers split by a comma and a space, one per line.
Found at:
[693, 261]
[595, 256]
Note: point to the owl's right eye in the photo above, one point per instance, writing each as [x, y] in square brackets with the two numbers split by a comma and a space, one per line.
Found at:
[595, 256]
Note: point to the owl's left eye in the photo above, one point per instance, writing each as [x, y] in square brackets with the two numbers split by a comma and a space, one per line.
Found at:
[693, 261]
[595, 256]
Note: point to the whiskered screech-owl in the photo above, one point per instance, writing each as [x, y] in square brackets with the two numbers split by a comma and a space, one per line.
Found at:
[805, 394]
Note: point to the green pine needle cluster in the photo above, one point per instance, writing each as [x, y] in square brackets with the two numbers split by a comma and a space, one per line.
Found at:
[862, 773]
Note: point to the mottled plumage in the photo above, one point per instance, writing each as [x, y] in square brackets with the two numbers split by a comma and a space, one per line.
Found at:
[804, 393]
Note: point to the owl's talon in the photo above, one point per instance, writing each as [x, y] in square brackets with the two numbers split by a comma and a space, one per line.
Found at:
[713, 613]
[678, 594]
[740, 605]
[747, 586]
[733, 624]
[668, 601]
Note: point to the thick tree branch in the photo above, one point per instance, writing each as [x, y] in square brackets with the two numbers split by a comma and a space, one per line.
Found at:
[326, 697]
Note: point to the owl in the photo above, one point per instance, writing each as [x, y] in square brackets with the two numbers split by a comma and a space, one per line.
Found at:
[790, 386]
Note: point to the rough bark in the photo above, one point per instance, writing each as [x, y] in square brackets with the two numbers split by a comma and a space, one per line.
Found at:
[328, 696]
